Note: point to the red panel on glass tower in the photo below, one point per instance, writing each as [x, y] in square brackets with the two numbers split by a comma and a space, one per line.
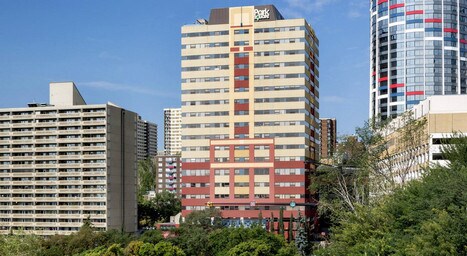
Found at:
[433, 20]
[451, 30]
[394, 6]
[415, 93]
[396, 85]
[415, 12]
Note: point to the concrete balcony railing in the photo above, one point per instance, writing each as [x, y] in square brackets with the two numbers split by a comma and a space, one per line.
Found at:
[94, 122]
[94, 114]
[93, 131]
[69, 132]
[20, 117]
[94, 147]
[69, 148]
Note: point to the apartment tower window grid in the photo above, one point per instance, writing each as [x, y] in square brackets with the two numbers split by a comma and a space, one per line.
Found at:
[63, 163]
[172, 131]
[250, 127]
[418, 49]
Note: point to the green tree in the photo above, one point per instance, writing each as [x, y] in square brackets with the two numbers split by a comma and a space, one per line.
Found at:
[290, 230]
[151, 236]
[168, 249]
[251, 248]
[208, 219]
[146, 177]
[158, 209]
[271, 223]
[19, 244]
[133, 248]
[426, 217]
[281, 221]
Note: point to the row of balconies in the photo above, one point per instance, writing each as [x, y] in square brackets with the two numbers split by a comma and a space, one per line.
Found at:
[53, 157]
[55, 182]
[53, 149]
[53, 124]
[53, 132]
[53, 199]
[49, 224]
[34, 141]
[54, 115]
[69, 165]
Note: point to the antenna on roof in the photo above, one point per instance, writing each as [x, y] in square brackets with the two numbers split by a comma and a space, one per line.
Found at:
[202, 21]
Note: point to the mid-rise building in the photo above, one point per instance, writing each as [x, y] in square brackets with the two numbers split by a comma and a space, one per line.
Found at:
[168, 174]
[172, 131]
[328, 137]
[64, 162]
[146, 139]
[250, 119]
[418, 49]
[415, 139]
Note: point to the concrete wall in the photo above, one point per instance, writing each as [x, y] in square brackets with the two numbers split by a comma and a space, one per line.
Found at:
[121, 175]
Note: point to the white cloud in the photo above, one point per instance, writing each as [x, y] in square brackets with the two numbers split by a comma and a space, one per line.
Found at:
[109, 86]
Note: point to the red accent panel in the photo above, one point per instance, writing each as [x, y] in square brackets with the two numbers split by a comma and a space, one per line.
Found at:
[242, 130]
[382, 1]
[290, 190]
[452, 30]
[373, 74]
[396, 85]
[241, 72]
[196, 166]
[415, 93]
[290, 178]
[194, 191]
[289, 164]
[248, 48]
[433, 20]
[242, 84]
[234, 49]
[382, 79]
[414, 12]
[241, 106]
[463, 41]
[394, 6]
[195, 179]
[242, 60]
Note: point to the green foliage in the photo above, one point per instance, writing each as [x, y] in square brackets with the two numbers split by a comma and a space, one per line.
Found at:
[147, 249]
[133, 248]
[290, 231]
[427, 217]
[221, 241]
[192, 239]
[208, 219]
[251, 248]
[146, 177]
[301, 239]
[158, 209]
[151, 236]
[271, 223]
[281, 221]
[25, 245]
[168, 249]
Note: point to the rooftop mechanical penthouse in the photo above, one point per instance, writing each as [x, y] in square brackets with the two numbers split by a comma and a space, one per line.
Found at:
[250, 119]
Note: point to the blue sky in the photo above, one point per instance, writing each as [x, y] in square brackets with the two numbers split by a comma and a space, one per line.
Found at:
[128, 52]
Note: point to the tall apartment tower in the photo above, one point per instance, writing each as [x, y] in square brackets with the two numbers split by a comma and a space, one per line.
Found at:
[418, 49]
[328, 137]
[63, 162]
[146, 139]
[172, 131]
[250, 127]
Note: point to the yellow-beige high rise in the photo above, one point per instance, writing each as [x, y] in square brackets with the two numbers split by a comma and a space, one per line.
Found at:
[250, 117]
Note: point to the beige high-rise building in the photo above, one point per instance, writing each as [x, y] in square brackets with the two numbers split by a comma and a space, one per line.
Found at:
[416, 139]
[63, 162]
[172, 131]
[250, 127]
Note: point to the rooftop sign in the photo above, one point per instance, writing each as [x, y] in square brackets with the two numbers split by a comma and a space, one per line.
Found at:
[261, 14]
